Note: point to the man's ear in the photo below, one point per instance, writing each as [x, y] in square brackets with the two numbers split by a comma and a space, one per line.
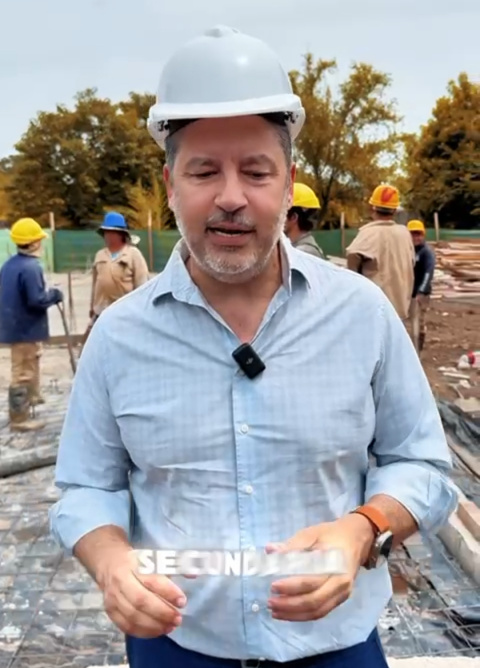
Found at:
[167, 179]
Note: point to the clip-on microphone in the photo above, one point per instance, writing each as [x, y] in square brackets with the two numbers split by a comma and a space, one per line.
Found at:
[248, 360]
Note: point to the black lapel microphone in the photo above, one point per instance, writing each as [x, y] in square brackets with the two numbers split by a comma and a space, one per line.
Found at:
[248, 360]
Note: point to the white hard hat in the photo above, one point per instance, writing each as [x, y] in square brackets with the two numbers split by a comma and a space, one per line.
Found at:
[219, 74]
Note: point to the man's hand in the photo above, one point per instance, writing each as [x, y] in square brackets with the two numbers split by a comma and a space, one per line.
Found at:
[145, 606]
[306, 598]
[422, 299]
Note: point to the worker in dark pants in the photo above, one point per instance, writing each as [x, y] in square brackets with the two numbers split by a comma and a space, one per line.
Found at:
[24, 302]
[422, 287]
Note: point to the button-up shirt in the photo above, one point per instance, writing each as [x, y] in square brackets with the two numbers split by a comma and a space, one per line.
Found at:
[168, 439]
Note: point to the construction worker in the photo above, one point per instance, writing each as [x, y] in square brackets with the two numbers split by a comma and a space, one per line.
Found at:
[301, 220]
[118, 268]
[422, 288]
[24, 302]
[383, 250]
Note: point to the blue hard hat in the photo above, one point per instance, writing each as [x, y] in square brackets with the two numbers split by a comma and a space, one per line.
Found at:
[115, 222]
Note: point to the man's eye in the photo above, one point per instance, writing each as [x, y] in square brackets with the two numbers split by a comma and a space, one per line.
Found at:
[258, 175]
[203, 175]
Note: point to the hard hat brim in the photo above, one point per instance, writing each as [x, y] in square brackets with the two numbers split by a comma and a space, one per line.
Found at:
[160, 114]
[108, 228]
[381, 205]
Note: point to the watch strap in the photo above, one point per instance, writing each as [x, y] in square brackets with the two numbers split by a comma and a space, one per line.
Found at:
[375, 516]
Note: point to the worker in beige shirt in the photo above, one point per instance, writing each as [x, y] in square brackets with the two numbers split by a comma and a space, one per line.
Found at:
[118, 268]
[383, 251]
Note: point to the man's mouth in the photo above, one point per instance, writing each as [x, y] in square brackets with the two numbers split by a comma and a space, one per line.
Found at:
[229, 231]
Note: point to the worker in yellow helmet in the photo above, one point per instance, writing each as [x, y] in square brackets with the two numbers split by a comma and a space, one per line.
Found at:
[24, 301]
[383, 250]
[301, 220]
[422, 288]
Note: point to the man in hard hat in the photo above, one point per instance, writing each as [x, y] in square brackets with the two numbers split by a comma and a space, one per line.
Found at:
[118, 268]
[24, 302]
[301, 220]
[422, 288]
[383, 250]
[232, 402]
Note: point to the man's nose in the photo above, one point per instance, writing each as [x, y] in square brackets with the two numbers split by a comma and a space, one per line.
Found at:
[231, 196]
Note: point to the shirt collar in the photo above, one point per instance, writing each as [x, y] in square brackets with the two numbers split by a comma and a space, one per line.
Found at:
[176, 280]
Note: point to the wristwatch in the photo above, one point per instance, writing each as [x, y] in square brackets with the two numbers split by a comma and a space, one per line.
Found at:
[382, 545]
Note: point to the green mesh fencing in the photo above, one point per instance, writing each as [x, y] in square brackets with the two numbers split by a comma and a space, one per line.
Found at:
[74, 250]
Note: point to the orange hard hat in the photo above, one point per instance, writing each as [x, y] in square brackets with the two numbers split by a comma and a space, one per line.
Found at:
[385, 197]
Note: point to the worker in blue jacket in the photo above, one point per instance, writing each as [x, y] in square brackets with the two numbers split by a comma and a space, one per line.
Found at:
[422, 286]
[24, 301]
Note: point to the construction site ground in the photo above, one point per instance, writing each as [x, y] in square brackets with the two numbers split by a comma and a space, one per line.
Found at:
[51, 613]
[453, 329]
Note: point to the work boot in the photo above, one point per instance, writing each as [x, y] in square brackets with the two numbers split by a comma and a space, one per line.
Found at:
[19, 410]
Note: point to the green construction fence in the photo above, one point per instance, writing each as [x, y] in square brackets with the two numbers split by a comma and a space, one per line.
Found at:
[74, 250]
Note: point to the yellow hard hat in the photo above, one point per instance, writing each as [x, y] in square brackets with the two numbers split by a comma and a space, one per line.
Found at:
[385, 197]
[416, 226]
[26, 231]
[304, 197]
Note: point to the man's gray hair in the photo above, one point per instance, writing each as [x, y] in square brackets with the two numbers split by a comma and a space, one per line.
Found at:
[173, 139]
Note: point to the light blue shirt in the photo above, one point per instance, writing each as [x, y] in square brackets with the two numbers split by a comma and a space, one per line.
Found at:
[218, 461]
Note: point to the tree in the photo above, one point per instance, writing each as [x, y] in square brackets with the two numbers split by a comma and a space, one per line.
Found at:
[6, 166]
[80, 162]
[349, 143]
[143, 201]
[443, 162]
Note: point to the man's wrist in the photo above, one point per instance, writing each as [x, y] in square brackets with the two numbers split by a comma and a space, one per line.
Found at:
[364, 532]
[99, 549]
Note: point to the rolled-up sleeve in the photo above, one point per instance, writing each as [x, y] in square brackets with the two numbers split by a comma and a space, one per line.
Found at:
[410, 447]
[93, 466]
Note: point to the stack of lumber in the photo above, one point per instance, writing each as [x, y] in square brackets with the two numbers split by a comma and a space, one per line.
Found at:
[457, 272]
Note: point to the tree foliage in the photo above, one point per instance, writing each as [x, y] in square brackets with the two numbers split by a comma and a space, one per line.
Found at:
[97, 156]
[5, 180]
[443, 162]
[349, 142]
[81, 162]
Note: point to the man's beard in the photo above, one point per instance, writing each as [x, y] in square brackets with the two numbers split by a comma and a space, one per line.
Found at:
[231, 266]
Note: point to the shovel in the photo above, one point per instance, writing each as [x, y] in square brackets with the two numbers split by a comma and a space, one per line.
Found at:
[73, 362]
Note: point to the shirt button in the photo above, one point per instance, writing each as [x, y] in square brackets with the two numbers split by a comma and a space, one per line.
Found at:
[255, 607]
[248, 489]
[244, 428]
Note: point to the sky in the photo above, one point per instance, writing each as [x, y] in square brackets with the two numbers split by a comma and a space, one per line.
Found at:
[51, 49]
